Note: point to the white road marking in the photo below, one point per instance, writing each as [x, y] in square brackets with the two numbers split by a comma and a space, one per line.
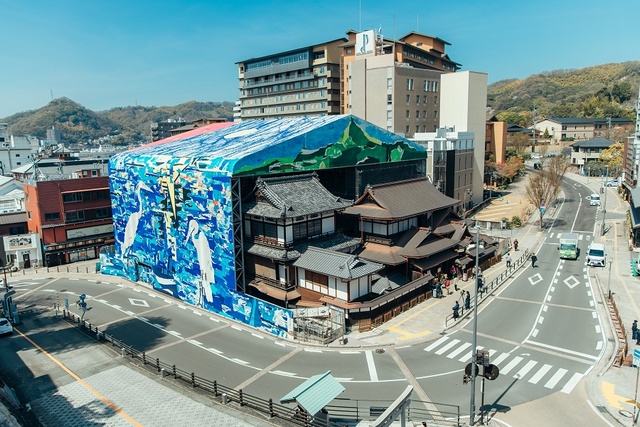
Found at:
[174, 333]
[556, 378]
[373, 374]
[588, 293]
[284, 373]
[312, 350]
[553, 288]
[130, 313]
[501, 358]
[214, 350]
[447, 347]
[593, 314]
[534, 333]
[157, 325]
[545, 308]
[540, 319]
[117, 307]
[236, 327]
[525, 369]
[349, 352]
[511, 365]
[564, 350]
[591, 303]
[194, 342]
[575, 379]
[437, 343]
[467, 358]
[459, 350]
[196, 312]
[239, 361]
[599, 345]
[257, 336]
[597, 329]
[541, 373]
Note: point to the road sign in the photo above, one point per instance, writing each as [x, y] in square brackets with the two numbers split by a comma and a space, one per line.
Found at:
[636, 357]
[467, 369]
[491, 372]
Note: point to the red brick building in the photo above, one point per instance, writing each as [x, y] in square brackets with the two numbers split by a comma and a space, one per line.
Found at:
[70, 208]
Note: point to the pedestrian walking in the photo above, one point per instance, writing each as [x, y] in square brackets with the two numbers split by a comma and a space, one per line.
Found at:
[467, 301]
[534, 259]
[455, 283]
[456, 311]
[447, 285]
[515, 245]
[507, 259]
[437, 290]
[634, 330]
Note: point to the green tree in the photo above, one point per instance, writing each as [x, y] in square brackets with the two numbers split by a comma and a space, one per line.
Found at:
[612, 157]
[511, 117]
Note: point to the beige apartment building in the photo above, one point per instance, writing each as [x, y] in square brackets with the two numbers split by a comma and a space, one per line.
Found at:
[299, 82]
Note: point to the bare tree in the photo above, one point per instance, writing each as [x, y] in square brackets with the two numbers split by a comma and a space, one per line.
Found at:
[544, 185]
[520, 142]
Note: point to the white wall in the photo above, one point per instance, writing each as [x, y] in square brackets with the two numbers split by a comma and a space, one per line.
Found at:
[463, 104]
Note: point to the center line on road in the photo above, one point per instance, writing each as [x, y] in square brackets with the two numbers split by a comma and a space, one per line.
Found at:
[373, 374]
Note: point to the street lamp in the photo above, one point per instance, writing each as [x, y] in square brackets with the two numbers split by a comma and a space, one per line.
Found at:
[609, 281]
[474, 367]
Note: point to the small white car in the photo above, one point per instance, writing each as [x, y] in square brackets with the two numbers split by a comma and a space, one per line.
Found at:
[5, 326]
[594, 200]
[596, 255]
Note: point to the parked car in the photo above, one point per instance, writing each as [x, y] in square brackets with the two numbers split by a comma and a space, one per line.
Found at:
[5, 326]
[612, 183]
[536, 156]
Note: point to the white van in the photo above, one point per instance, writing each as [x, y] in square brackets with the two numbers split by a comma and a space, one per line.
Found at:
[596, 255]
[594, 200]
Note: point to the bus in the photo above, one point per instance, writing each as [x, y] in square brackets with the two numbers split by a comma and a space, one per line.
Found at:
[568, 246]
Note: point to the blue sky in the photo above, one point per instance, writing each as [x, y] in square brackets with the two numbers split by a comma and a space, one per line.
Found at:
[115, 53]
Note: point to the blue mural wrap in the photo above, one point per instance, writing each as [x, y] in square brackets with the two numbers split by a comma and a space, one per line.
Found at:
[172, 203]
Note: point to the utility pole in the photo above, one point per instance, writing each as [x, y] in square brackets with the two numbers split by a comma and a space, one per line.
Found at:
[474, 366]
[604, 206]
[533, 147]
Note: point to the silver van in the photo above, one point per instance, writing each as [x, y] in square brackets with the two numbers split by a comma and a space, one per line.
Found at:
[596, 255]
[594, 200]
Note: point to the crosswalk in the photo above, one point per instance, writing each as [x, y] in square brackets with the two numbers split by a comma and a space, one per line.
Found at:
[580, 236]
[521, 368]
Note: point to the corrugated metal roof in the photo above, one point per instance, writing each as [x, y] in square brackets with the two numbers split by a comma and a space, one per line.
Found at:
[315, 393]
[295, 196]
[400, 199]
[336, 264]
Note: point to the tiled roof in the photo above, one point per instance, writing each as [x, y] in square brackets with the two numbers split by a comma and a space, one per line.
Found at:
[293, 196]
[593, 143]
[336, 264]
[421, 243]
[436, 259]
[381, 253]
[401, 199]
[13, 218]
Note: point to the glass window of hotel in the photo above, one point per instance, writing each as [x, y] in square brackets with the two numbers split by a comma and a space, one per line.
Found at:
[408, 98]
[406, 130]
[52, 216]
[409, 84]
[389, 99]
[425, 85]
[417, 99]
[435, 86]
[424, 114]
[417, 114]
[389, 82]
[389, 114]
[408, 114]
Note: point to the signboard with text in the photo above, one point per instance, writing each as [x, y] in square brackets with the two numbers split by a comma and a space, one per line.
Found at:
[89, 231]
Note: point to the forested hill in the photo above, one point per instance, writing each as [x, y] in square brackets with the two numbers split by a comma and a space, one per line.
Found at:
[608, 90]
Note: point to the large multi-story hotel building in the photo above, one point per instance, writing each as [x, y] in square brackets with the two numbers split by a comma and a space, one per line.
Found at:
[299, 82]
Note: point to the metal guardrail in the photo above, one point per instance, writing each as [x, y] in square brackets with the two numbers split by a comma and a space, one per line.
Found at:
[338, 415]
[489, 288]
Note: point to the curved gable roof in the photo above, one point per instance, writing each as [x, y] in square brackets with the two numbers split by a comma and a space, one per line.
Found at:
[261, 147]
[400, 199]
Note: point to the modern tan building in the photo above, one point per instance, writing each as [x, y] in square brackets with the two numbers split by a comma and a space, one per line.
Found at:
[495, 141]
[579, 128]
[299, 82]
[394, 84]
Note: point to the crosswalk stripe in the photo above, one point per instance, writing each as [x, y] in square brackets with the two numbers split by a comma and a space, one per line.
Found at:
[459, 350]
[467, 357]
[541, 373]
[501, 358]
[568, 387]
[435, 344]
[447, 347]
[525, 369]
[555, 378]
[511, 365]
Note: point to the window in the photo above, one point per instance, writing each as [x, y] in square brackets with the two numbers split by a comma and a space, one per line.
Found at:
[389, 82]
[424, 114]
[408, 99]
[17, 154]
[389, 115]
[74, 216]
[435, 86]
[408, 114]
[103, 212]
[28, 214]
[71, 197]
[425, 85]
[417, 99]
[16, 230]
[417, 114]
[389, 99]
[54, 216]
[406, 130]
[409, 84]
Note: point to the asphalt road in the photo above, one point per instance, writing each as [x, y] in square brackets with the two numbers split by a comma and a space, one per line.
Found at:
[542, 330]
